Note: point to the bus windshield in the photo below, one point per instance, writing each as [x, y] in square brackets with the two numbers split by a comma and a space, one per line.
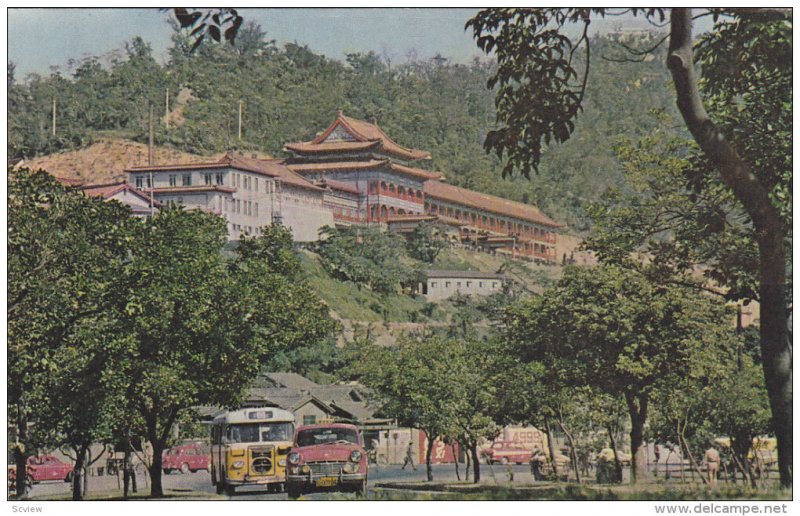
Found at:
[260, 432]
[314, 436]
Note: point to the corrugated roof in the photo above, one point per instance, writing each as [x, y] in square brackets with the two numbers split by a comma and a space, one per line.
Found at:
[195, 188]
[108, 190]
[486, 202]
[363, 132]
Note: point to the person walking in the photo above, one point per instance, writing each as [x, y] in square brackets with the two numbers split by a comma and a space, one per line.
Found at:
[409, 457]
[712, 461]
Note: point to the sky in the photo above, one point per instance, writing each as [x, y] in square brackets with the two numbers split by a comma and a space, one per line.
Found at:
[395, 33]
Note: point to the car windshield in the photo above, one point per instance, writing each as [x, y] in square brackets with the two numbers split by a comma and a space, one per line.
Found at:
[314, 436]
[260, 432]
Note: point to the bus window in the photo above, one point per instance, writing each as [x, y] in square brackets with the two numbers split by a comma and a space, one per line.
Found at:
[247, 433]
[260, 432]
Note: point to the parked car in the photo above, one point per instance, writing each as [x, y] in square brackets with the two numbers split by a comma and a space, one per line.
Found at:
[186, 458]
[326, 457]
[505, 452]
[42, 468]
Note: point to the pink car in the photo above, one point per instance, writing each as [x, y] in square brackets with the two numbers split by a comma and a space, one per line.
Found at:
[43, 468]
[186, 458]
[505, 452]
[326, 457]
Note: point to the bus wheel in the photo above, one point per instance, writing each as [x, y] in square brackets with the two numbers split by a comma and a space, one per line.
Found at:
[220, 488]
[213, 475]
[230, 490]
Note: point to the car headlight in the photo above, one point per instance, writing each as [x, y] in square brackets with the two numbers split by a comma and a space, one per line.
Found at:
[350, 467]
[294, 458]
[238, 464]
[281, 462]
[355, 455]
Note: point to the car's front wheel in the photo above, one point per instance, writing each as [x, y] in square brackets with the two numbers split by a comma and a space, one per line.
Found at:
[361, 490]
[294, 492]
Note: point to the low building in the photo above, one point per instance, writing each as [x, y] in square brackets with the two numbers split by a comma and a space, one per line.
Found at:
[141, 204]
[443, 284]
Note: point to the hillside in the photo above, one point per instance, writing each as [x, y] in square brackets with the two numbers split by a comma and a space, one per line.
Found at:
[290, 93]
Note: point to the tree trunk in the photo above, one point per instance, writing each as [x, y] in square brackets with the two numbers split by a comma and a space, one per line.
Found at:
[551, 448]
[428, 465]
[126, 471]
[476, 465]
[617, 463]
[468, 464]
[572, 455]
[455, 460]
[21, 453]
[770, 230]
[78, 472]
[156, 491]
[637, 409]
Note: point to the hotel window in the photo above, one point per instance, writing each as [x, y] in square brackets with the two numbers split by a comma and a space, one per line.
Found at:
[494, 284]
[256, 213]
[446, 284]
[309, 420]
[238, 206]
[180, 201]
[187, 179]
[220, 179]
[433, 284]
[469, 284]
[373, 187]
[480, 284]
[139, 181]
[173, 180]
[256, 184]
[207, 178]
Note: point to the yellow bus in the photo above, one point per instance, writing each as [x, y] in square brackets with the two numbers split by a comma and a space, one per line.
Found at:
[249, 447]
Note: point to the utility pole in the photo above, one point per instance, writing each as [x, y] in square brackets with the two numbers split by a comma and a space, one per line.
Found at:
[241, 103]
[54, 116]
[166, 108]
[150, 139]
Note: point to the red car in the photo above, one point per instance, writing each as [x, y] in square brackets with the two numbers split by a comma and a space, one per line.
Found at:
[505, 452]
[326, 457]
[43, 468]
[187, 457]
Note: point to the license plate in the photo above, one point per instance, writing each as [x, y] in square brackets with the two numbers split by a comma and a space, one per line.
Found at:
[327, 481]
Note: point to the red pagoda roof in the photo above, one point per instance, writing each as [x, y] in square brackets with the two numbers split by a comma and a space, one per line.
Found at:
[363, 165]
[340, 185]
[486, 202]
[365, 136]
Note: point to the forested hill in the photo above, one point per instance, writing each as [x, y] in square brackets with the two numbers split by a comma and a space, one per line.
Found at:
[291, 93]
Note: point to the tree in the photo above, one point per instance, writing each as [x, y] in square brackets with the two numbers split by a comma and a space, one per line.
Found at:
[426, 242]
[200, 325]
[615, 331]
[63, 250]
[410, 383]
[365, 255]
[540, 93]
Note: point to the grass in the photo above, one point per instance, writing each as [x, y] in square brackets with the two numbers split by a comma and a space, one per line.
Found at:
[360, 304]
[572, 492]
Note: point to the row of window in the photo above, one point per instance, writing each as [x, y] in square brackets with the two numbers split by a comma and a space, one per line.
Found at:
[487, 221]
[407, 193]
[248, 208]
[458, 284]
[250, 230]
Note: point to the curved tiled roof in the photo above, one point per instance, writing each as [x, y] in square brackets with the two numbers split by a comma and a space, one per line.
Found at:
[340, 185]
[363, 165]
[486, 202]
[366, 136]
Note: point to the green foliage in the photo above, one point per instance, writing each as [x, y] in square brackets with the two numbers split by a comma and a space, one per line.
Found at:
[365, 255]
[426, 242]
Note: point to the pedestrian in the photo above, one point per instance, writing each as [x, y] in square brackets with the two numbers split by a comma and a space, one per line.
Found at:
[657, 455]
[712, 461]
[510, 472]
[537, 461]
[372, 455]
[409, 457]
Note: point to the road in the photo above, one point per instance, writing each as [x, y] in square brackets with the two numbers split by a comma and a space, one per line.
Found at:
[200, 483]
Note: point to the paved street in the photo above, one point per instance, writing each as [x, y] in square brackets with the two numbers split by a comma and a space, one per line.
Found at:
[200, 482]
